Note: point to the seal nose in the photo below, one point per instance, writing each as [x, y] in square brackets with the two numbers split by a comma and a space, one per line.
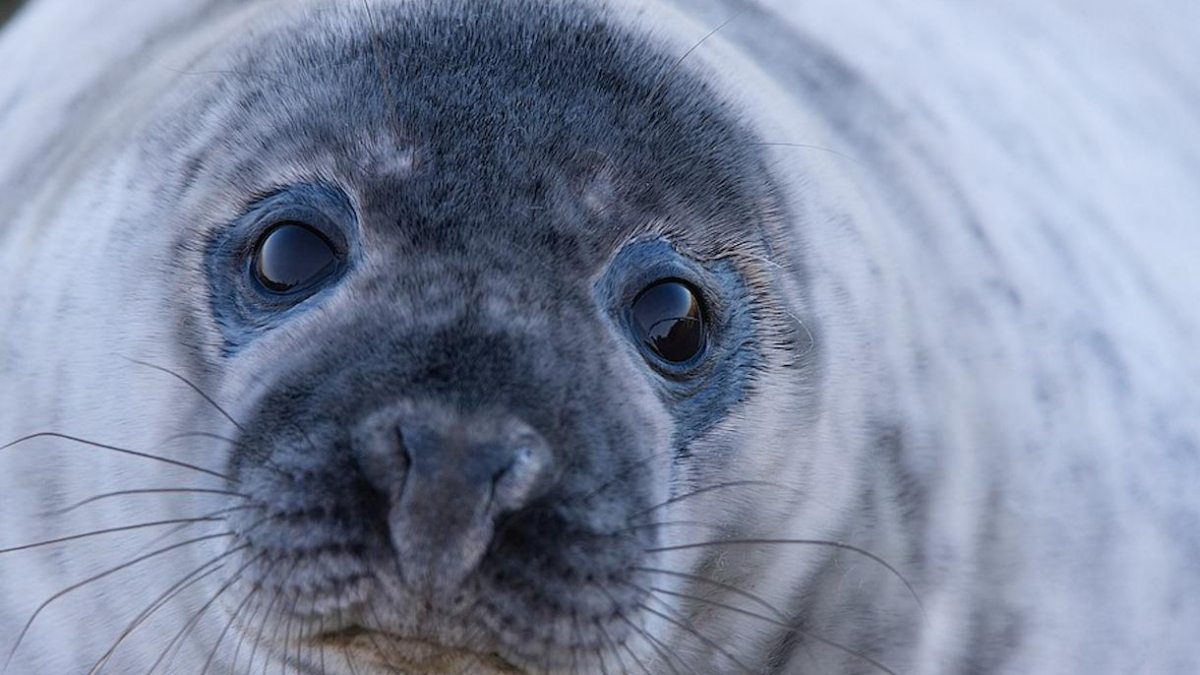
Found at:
[459, 474]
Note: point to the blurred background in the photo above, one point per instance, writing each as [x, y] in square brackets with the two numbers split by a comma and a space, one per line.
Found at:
[7, 7]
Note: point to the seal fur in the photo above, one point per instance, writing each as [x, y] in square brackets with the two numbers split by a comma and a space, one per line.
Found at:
[943, 345]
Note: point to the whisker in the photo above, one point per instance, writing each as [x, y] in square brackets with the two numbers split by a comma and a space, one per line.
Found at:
[287, 635]
[807, 146]
[716, 584]
[222, 512]
[258, 606]
[321, 653]
[160, 602]
[232, 619]
[258, 586]
[181, 636]
[800, 542]
[617, 611]
[474, 658]
[275, 596]
[118, 450]
[42, 607]
[664, 523]
[655, 644]
[198, 434]
[783, 624]
[211, 401]
[346, 648]
[268, 462]
[628, 471]
[679, 62]
[705, 490]
[585, 497]
[665, 652]
[142, 491]
[239, 73]
[111, 530]
[604, 664]
[577, 636]
[812, 338]
[633, 655]
[714, 603]
[350, 662]
[599, 652]
[615, 648]
[371, 637]
[191, 385]
[179, 587]
[703, 638]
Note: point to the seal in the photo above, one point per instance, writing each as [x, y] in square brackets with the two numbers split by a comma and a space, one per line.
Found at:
[558, 337]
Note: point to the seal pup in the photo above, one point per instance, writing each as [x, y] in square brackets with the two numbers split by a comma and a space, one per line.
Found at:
[538, 337]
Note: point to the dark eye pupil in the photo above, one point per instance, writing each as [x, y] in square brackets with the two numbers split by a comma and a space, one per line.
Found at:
[291, 255]
[668, 320]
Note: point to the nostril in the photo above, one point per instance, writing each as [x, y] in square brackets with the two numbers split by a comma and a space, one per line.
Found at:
[405, 462]
[520, 478]
[512, 472]
[382, 454]
[403, 454]
[505, 470]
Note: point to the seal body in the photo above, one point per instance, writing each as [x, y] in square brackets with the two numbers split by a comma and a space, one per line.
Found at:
[942, 414]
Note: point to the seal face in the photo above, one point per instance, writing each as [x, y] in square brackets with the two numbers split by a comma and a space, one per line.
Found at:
[473, 291]
[486, 375]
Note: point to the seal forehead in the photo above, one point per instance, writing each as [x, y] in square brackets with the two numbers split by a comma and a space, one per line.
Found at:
[551, 126]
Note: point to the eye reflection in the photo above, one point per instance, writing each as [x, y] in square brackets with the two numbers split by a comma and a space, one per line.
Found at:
[668, 320]
[292, 255]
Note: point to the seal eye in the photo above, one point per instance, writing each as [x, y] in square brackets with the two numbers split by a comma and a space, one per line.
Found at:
[667, 319]
[291, 255]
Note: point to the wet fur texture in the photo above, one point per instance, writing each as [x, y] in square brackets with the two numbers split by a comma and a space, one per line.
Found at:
[948, 420]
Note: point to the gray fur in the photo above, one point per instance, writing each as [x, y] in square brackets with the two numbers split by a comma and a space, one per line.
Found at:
[951, 373]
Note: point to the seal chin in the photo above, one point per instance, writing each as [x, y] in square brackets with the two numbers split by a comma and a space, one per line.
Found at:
[397, 652]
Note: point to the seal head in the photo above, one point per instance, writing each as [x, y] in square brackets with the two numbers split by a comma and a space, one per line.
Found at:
[485, 282]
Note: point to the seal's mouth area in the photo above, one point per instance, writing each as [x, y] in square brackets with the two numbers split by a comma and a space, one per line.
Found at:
[416, 653]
